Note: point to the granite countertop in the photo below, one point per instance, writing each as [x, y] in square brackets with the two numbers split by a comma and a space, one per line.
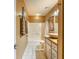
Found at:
[54, 41]
[53, 35]
[52, 38]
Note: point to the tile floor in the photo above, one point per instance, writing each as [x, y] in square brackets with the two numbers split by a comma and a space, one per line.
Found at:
[30, 51]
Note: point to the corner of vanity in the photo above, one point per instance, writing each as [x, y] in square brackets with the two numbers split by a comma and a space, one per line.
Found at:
[51, 43]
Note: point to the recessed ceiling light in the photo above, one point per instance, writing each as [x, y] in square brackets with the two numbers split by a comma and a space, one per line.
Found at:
[56, 13]
[38, 14]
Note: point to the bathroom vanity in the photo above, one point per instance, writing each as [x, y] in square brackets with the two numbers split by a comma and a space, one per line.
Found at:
[51, 47]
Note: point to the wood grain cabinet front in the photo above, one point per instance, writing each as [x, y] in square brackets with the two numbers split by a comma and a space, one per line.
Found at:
[54, 51]
[54, 54]
[54, 47]
[50, 49]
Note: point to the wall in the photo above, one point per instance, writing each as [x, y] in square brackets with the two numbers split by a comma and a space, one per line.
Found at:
[46, 27]
[55, 26]
[21, 42]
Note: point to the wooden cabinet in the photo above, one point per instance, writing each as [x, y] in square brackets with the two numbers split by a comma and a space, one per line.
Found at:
[50, 49]
[54, 51]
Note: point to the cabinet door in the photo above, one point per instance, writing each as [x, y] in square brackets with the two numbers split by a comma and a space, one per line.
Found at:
[48, 42]
[48, 51]
[54, 51]
[54, 54]
[54, 46]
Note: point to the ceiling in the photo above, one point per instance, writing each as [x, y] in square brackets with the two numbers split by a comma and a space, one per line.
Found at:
[39, 7]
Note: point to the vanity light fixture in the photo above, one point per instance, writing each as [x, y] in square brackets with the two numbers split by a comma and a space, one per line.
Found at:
[56, 13]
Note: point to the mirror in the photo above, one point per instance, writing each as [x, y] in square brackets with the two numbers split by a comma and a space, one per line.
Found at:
[53, 24]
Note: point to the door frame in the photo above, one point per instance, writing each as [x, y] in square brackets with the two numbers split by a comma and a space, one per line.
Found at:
[61, 30]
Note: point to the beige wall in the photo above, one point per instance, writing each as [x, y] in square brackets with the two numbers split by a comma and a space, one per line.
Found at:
[46, 27]
[21, 42]
[36, 29]
[55, 25]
